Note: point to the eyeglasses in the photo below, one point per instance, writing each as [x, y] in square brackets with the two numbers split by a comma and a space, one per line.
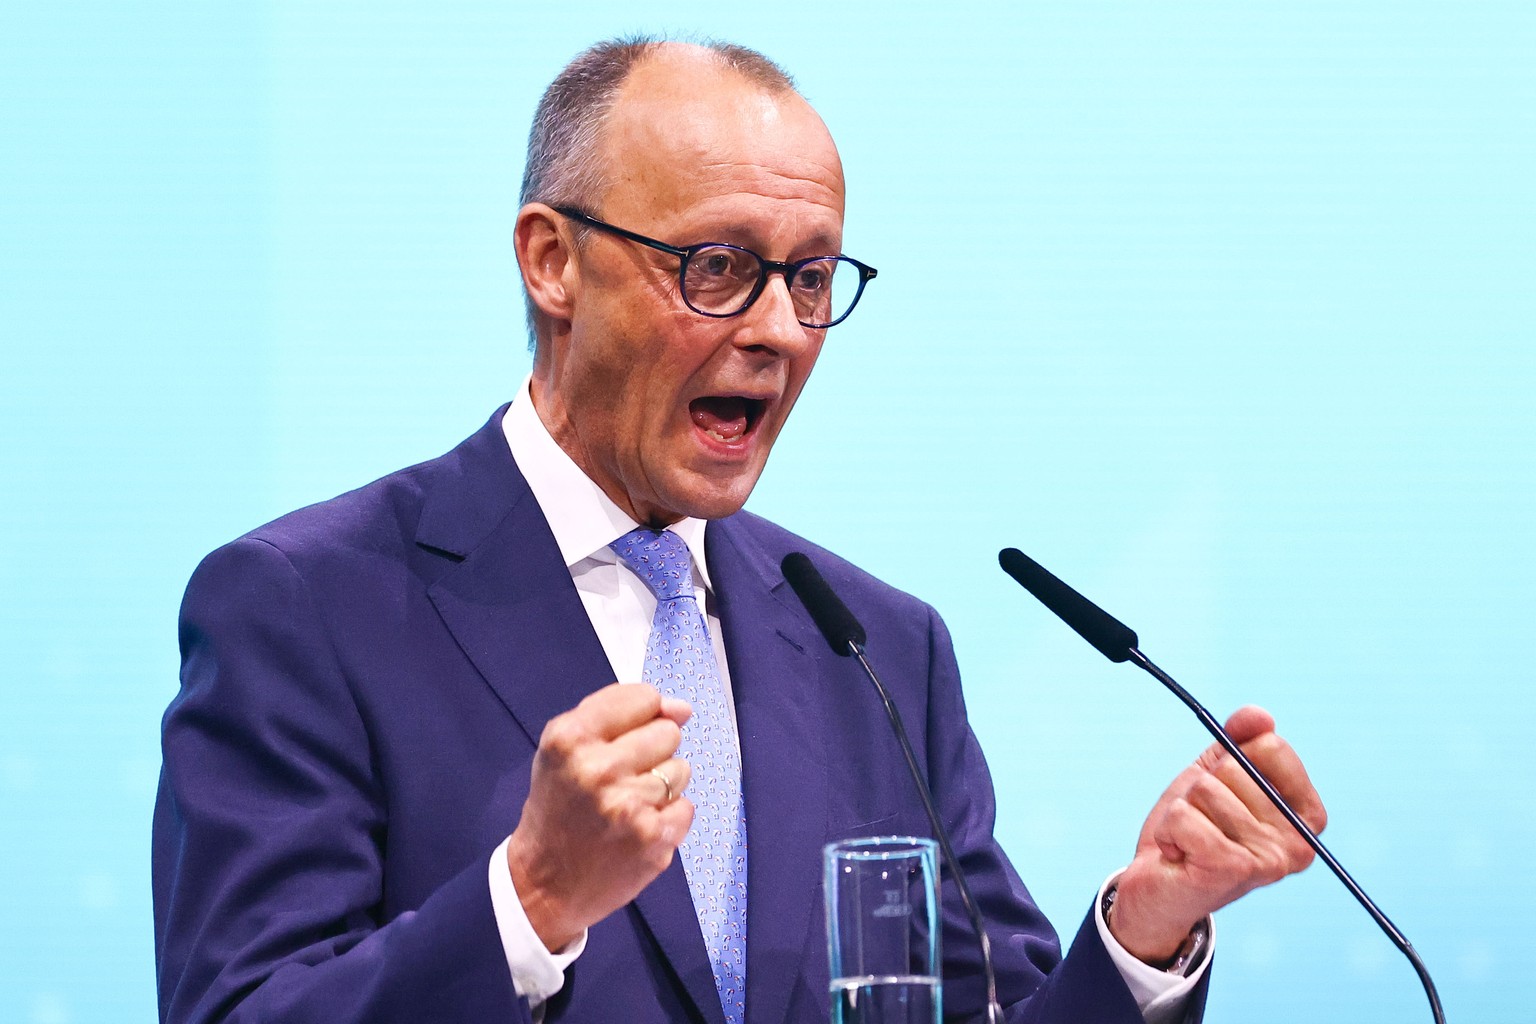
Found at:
[721, 280]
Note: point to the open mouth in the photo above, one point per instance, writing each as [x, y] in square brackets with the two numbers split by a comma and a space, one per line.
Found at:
[726, 418]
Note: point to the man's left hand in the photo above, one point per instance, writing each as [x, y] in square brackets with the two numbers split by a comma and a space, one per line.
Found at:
[1213, 837]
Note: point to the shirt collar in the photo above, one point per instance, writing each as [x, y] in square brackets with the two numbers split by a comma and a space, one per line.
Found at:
[583, 519]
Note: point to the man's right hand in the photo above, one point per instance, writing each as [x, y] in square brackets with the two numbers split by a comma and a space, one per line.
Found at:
[598, 825]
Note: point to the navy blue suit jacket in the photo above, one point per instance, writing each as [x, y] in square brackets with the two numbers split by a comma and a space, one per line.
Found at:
[363, 687]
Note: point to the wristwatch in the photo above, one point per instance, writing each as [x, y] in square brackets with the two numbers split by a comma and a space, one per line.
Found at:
[1189, 954]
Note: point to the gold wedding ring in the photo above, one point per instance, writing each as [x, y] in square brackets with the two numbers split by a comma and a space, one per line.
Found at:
[665, 782]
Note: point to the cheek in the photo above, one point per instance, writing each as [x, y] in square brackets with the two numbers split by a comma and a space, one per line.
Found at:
[800, 373]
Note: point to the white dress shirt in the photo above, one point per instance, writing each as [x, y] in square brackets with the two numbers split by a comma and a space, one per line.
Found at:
[584, 522]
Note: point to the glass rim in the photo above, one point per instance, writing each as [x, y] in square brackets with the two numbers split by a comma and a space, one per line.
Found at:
[880, 847]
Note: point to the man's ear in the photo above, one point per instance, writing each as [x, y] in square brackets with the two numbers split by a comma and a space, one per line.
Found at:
[543, 245]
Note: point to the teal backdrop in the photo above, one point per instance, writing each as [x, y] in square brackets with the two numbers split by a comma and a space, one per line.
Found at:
[1223, 311]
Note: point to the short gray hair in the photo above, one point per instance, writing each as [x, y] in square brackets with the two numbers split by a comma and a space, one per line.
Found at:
[565, 165]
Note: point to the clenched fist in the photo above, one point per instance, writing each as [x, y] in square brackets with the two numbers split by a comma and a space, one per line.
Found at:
[604, 813]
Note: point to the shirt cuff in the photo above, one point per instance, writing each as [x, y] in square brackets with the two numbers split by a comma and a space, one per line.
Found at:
[537, 974]
[1160, 996]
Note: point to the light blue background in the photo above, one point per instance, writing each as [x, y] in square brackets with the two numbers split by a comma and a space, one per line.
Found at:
[1223, 311]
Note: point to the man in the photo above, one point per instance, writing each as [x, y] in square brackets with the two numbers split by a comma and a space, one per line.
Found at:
[400, 781]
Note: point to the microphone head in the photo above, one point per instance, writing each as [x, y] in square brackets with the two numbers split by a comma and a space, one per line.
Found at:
[831, 616]
[1111, 637]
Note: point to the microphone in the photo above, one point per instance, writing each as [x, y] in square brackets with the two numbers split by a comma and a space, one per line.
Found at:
[845, 634]
[1118, 643]
[1109, 636]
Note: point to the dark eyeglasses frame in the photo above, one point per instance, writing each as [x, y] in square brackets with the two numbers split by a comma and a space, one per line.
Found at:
[686, 253]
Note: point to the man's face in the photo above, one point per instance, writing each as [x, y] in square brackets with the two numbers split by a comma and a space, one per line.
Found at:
[670, 412]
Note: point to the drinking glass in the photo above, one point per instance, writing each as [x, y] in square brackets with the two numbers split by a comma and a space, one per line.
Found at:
[882, 904]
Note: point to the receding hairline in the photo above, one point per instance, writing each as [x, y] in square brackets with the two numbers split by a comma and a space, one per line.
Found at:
[573, 115]
[669, 89]
[749, 64]
[567, 160]
[684, 58]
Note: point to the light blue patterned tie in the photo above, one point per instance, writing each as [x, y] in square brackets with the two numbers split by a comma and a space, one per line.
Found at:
[680, 662]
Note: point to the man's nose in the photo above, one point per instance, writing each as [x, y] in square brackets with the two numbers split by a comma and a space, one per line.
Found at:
[773, 322]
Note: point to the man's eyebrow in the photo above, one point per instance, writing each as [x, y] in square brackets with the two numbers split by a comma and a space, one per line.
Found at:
[823, 245]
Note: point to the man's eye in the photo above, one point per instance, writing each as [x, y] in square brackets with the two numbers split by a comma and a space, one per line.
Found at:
[714, 263]
[719, 271]
[810, 279]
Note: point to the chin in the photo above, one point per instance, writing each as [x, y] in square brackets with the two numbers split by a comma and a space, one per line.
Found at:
[715, 502]
[717, 507]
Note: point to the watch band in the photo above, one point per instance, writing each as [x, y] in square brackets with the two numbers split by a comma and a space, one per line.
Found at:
[1189, 953]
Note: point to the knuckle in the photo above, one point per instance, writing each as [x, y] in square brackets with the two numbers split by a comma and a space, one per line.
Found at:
[1206, 786]
[1274, 862]
[596, 772]
[561, 735]
[619, 809]
[608, 806]
[1179, 817]
[584, 767]
[1179, 809]
[1300, 853]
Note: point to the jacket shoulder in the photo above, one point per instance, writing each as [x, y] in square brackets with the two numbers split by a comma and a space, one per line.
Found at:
[469, 487]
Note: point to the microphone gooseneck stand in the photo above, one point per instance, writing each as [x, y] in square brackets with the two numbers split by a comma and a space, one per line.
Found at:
[846, 637]
[1118, 643]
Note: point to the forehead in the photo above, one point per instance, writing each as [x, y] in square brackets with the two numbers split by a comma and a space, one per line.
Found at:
[689, 139]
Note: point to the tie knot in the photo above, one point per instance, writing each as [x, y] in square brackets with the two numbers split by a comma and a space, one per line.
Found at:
[660, 559]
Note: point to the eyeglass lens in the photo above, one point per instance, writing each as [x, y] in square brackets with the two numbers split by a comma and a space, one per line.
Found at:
[720, 280]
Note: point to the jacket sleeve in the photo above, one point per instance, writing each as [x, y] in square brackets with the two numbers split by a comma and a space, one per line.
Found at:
[269, 831]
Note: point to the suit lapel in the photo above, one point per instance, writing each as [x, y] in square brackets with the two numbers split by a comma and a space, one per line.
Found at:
[511, 606]
[775, 684]
[510, 602]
